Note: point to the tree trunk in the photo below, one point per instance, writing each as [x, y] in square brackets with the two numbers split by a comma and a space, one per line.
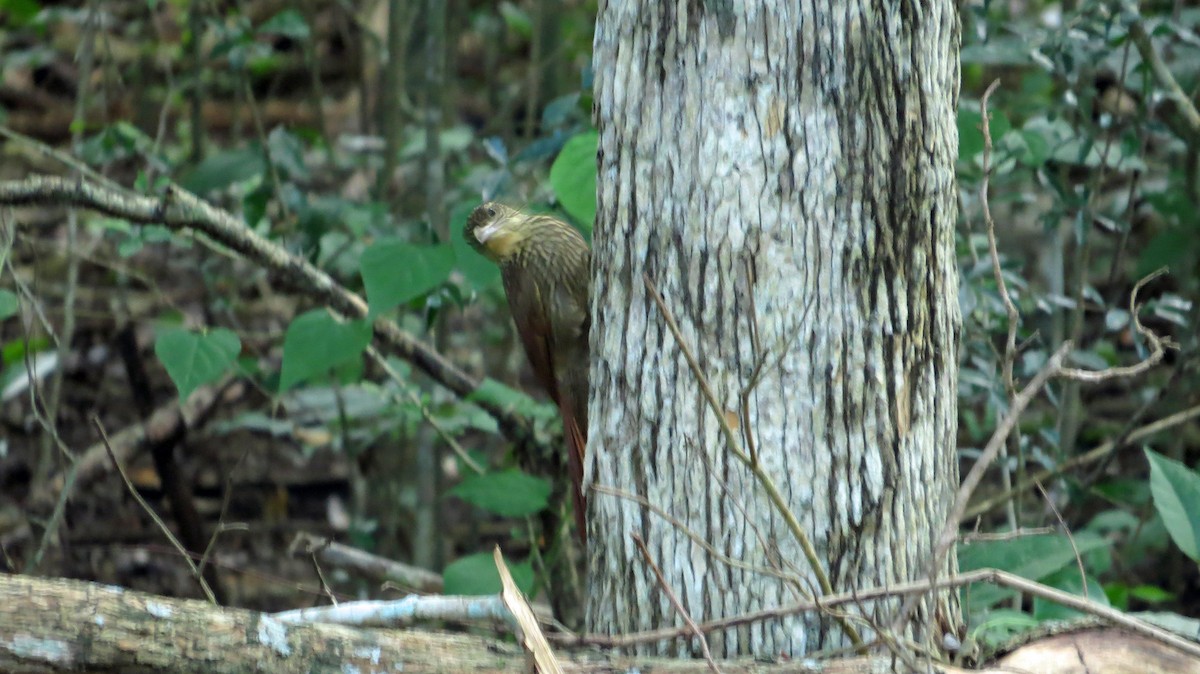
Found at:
[784, 174]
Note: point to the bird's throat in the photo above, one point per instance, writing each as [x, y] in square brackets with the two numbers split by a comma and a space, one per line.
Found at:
[501, 239]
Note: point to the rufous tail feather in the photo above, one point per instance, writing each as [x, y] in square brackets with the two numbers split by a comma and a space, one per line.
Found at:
[576, 446]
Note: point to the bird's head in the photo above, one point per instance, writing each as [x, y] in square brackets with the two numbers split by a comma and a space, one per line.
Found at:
[495, 230]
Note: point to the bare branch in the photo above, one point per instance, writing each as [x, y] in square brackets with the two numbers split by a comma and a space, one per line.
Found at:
[1146, 48]
[913, 588]
[366, 564]
[1010, 343]
[1091, 456]
[1157, 346]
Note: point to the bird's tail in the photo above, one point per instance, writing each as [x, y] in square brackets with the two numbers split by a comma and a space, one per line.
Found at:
[576, 446]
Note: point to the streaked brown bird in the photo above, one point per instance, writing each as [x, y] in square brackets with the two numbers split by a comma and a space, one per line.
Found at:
[546, 267]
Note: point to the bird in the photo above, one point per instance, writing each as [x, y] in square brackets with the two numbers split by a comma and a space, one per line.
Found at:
[545, 265]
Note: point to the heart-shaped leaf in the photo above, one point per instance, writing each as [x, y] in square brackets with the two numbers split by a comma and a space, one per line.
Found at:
[573, 177]
[193, 359]
[509, 493]
[316, 343]
[395, 272]
[476, 575]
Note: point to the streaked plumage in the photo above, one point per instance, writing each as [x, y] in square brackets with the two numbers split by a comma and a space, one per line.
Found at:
[546, 268]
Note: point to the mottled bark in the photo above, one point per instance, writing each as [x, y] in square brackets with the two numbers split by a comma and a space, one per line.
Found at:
[784, 173]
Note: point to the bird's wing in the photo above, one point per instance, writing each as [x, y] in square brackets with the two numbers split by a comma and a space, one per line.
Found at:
[528, 309]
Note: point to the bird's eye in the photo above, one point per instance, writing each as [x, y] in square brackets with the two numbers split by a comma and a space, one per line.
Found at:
[491, 212]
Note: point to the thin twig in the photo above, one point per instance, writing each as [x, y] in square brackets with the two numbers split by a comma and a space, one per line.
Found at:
[333, 601]
[975, 475]
[912, 588]
[761, 360]
[1010, 343]
[61, 157]
[1157, 345]
[365, 564]
[1005, 535]
[153, 515]
[40, 413]
[1096, 454]
[764, 478]
[737, 502]
[696, 538]
[1070, 539]
[687, 618]
[226, 499]
[54, 390]
[441, 432]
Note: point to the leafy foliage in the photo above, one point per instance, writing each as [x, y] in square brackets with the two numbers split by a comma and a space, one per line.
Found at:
[1090, 183]
[1093, 184]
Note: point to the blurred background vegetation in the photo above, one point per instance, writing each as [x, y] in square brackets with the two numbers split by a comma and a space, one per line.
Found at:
[359, 134]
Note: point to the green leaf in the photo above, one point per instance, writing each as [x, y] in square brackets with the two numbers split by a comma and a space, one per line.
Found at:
[223, 169]
[1151, 594]
[509, 493]
[476, 575]
[999, 626]
[287, 154]
[15, 351]
[1168, 248]
[1176, 491]
[8, 303]
[492, 391]
[115, 142]
[1032, 557]
[970, 138]
[316, 343]
[573, 177]
[1037, 148]
[1067, 579]
[516, 19]
[395, 272]
[20, 12]
[129, 247]
[1118, 595]
[288, 23]
[193, 359]
[997, 51]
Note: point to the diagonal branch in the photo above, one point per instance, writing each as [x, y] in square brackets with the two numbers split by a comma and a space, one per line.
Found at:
[180, 210]
[1145, 47]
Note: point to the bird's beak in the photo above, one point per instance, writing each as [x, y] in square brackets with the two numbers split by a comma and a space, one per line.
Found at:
[485, 233]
